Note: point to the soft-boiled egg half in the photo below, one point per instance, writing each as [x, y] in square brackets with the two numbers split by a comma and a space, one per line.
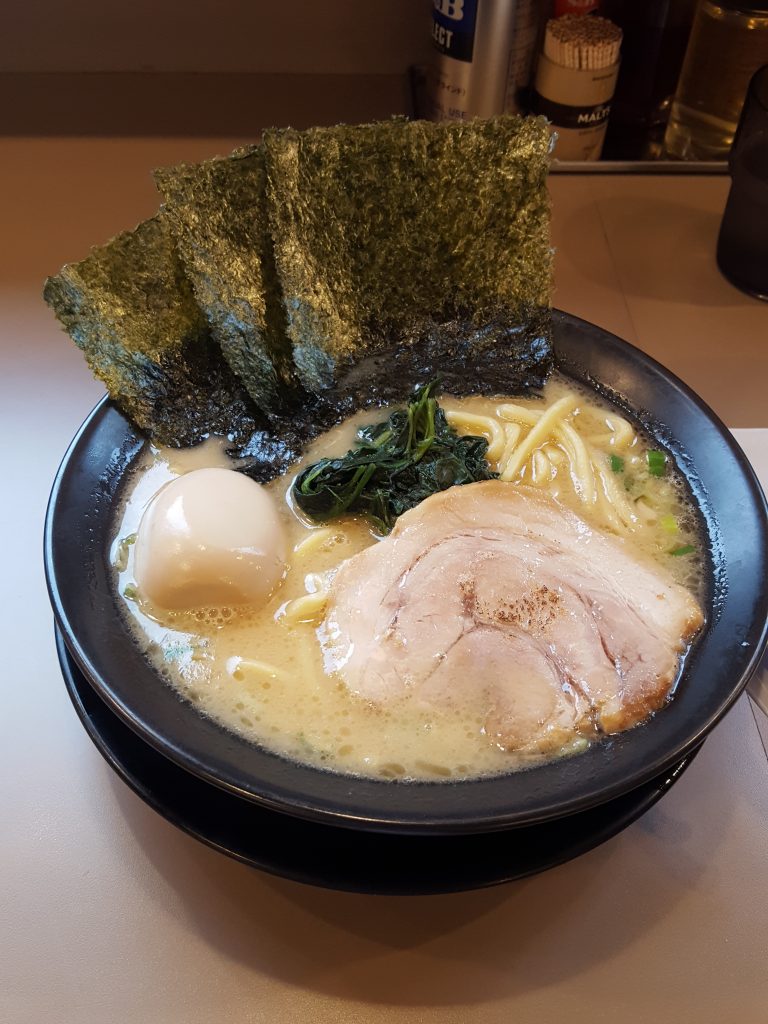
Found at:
[210, 538]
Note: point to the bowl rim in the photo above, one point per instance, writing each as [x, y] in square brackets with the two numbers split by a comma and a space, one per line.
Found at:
[235, 828]
[455, 806]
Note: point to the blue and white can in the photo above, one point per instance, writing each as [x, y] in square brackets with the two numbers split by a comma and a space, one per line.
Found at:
[484, 55]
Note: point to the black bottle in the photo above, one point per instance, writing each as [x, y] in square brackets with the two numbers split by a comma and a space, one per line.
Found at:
[655, 37]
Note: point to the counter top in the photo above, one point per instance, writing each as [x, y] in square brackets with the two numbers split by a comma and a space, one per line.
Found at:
[108, 913]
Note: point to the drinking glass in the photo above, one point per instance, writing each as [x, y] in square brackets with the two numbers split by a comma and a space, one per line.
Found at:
[742, 248]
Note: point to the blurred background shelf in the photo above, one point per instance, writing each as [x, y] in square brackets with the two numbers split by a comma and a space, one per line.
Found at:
[218, 104]
[204, 104]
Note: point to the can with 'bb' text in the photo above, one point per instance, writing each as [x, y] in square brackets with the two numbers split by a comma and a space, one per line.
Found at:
[483, 55]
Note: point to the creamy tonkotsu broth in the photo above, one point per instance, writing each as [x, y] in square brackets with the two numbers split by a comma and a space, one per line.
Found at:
[266, 673]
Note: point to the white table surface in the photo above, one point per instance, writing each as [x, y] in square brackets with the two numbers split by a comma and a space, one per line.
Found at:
[109, 914]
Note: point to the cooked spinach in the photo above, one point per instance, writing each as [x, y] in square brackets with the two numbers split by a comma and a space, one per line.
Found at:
[395, 465]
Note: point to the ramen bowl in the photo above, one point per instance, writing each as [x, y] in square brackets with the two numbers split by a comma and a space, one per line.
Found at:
[79, 531]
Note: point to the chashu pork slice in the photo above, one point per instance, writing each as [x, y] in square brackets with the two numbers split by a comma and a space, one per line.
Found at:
[492, 592]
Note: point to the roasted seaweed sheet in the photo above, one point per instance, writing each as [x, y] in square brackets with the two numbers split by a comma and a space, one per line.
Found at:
[398, 232]
[217, 213]
[322, 272]
[130, 308]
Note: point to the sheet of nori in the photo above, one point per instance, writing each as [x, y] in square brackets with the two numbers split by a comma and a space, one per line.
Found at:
[383, 233]
[129, 306]
[217, 213]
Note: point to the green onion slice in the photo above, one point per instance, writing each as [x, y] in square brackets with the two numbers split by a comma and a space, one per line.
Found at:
[669, 523]
[657, 462]
[686, 549]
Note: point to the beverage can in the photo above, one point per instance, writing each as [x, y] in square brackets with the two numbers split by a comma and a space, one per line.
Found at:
[484, 53]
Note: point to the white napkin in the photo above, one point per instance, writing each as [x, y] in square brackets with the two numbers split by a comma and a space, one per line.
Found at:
[758, 687]
[755, 445]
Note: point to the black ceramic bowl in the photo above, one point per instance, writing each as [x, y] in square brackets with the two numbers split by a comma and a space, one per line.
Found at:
[345, 858]
[79, 531]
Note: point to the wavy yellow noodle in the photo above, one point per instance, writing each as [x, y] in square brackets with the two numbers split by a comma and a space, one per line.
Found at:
[518, 414]
[645, 512]
[621, 433]
[512, 432]
[471, 423]
[549, 439]
[581, 468]
[554, 453]
[617, 499]
[316, 581]
[542, 468]
[248, 668]
[316, 540]
[304, 609]
[537, 435]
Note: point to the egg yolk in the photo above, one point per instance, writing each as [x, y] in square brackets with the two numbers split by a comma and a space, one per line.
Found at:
[209, 538]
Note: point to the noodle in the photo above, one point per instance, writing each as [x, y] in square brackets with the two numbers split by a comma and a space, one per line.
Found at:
[537, 434]
[512, 433]
[242, 668]
[582, 473]
[616, 500]
[316, 540]
[621, 436]
[553, 436]
[472, 424]
[542, 468]
[304, 609]
[263, 672]
[554, 453]
[567, 440]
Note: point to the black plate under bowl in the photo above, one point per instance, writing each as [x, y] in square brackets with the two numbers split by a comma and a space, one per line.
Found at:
[79, 531]
[341, 858]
